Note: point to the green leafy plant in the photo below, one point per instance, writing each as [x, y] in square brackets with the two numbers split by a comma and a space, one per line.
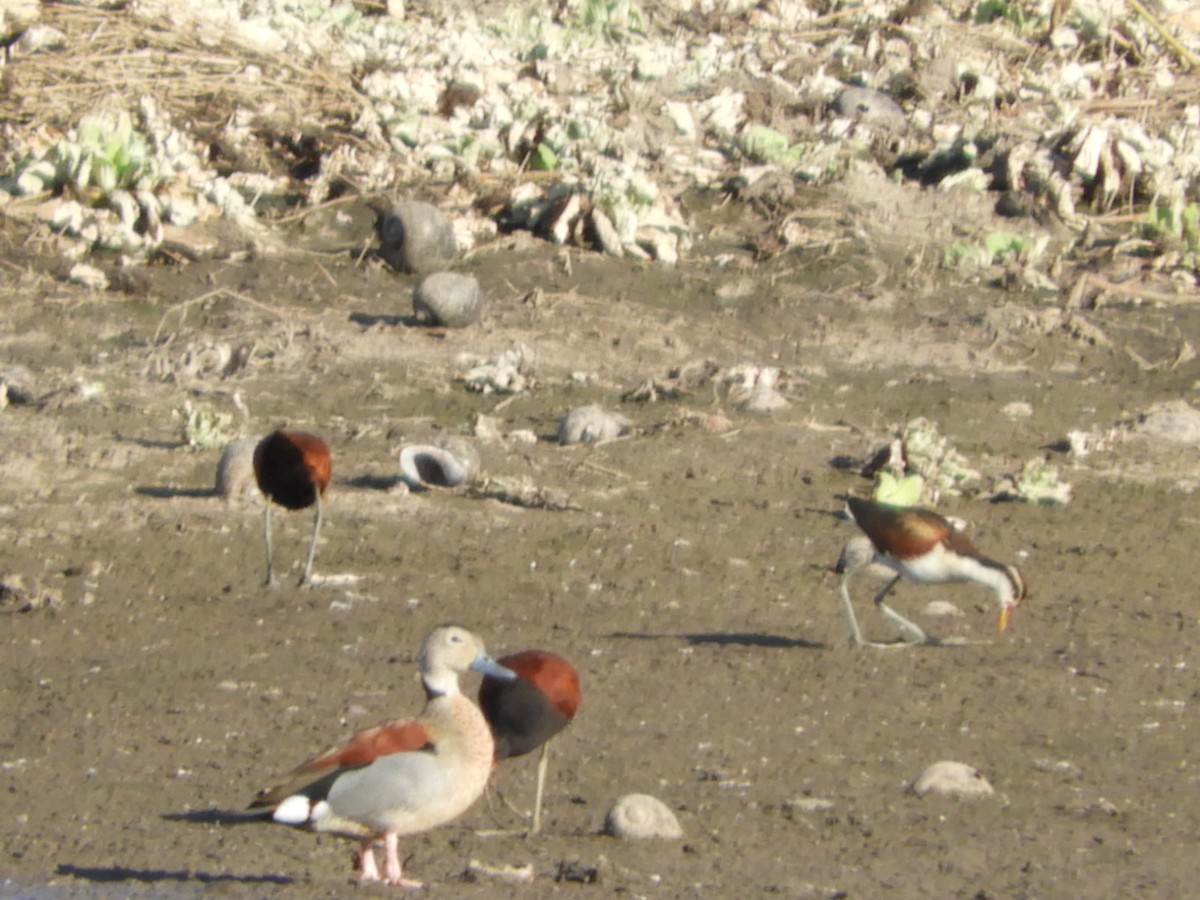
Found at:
[996, 247]
[203, 428]
[1175, 229]
[764, 144]
[615, 20]
[895, 491]
[1010, 11]
[104, 152]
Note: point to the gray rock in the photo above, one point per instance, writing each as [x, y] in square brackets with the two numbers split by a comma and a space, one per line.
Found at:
[448, 299]
[416, 237]
[953, 779]
[590, 425]
[1176, 421]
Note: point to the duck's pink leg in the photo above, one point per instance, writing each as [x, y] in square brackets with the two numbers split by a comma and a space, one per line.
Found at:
[392, 864]
[367, 869]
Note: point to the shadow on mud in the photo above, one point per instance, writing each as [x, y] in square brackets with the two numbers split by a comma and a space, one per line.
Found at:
[114, 874]
[722, 638]
[166, 493]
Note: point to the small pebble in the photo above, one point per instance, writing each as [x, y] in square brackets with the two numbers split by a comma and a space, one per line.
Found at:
[590, 425]
[514, 874]
[448, 299]
[1018, 409]
[808, 805]
[16, 385]
[942, 609]
[952, 779]
[640, 816]
[416, 237]
[88, 276]
[872, 107]
[235, 470]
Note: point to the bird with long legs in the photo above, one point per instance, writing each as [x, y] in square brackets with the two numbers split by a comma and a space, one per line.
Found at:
[293, 469]
[525, 713]
[922, 546]
[406, 776]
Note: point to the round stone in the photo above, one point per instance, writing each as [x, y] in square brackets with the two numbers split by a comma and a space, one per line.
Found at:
[415, 236]
[448, 299]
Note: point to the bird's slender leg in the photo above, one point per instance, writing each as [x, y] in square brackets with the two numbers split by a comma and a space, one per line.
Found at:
[844, 591]
[910, 633]
[392, 865]
[367, 869]
[312, 548]
[855, 633]
[543, 763]
[491, 789]
[270, 582]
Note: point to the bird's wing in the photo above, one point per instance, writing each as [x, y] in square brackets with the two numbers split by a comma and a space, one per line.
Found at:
[957, 540]
[901, 531]
[918, 531]
[397, 736]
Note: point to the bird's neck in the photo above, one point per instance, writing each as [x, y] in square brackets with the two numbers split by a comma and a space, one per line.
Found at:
[987, 573]
[443, 683]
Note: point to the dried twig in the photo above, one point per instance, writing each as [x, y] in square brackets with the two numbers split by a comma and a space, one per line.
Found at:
[1186, 56]
[184, 306]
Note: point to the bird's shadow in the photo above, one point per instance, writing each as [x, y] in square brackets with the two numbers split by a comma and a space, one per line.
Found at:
[216, 816]
[150, 443]
[374, 482]
[368, 320]
[116, 874]
[166, 493]
[723, 638]
[128, 874]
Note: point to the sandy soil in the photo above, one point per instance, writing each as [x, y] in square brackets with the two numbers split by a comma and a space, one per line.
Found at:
[689, 579]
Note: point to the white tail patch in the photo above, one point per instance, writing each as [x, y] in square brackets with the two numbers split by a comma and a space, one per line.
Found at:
[294, 810]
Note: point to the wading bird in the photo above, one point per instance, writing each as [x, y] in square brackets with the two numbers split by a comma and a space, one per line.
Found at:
[293, 469]
[922, 546]
[525, 713]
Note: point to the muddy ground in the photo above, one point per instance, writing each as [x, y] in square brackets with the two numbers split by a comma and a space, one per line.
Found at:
[688, 579]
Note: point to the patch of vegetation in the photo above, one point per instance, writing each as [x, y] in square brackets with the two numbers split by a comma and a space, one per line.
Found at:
[1175, 230]
[997, 247]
